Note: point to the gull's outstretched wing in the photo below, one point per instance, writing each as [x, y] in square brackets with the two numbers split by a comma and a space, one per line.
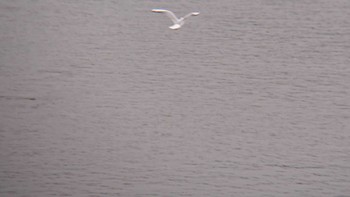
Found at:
[191, 14]
[170, 14]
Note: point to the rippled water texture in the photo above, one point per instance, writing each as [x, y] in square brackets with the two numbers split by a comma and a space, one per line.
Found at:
[101, 98]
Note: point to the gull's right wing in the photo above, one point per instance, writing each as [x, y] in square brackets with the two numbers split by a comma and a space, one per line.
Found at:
[191, 14]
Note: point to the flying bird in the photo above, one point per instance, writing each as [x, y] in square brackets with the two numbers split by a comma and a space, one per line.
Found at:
[178, 22]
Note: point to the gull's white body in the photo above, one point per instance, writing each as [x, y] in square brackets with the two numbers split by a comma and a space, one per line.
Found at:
[178, 22]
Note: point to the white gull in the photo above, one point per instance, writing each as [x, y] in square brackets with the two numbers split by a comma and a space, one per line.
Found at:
[178, 22]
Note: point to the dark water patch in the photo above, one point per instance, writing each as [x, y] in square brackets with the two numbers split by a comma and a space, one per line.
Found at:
[17, 98]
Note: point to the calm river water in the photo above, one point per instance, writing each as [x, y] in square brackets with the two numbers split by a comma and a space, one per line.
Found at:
[101, 98]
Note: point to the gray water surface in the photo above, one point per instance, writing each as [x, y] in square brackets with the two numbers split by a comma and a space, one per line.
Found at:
[101, 98]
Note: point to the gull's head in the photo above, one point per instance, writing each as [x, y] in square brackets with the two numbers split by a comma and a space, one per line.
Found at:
[195, 13]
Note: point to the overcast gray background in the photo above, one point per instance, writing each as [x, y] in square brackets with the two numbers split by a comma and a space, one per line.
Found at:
[101, 98]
